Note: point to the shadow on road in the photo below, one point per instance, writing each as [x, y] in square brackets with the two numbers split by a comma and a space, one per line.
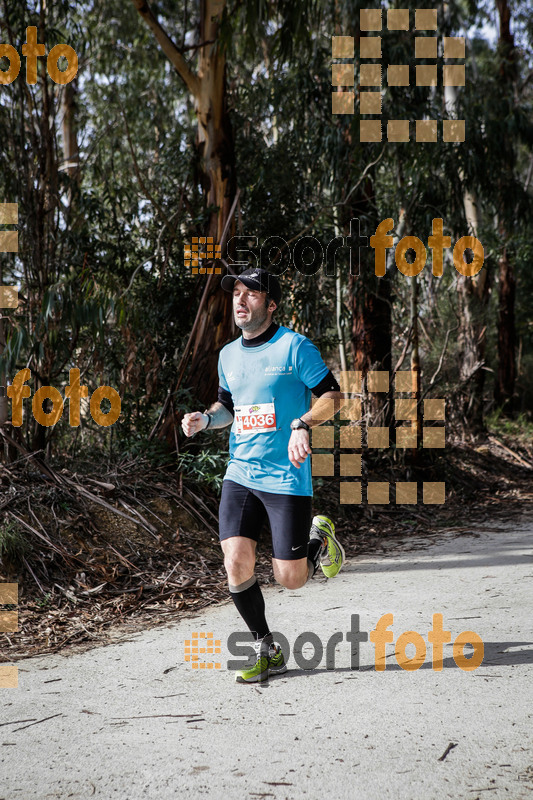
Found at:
[493, 560]
[497, 654]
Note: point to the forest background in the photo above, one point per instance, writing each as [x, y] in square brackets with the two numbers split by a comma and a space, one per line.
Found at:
[215, 119]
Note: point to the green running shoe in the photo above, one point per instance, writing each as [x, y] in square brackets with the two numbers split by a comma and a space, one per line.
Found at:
[333, 556]
[271, 664]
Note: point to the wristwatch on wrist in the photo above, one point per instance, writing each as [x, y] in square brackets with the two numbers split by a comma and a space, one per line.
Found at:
[209, 418]
[296, 424]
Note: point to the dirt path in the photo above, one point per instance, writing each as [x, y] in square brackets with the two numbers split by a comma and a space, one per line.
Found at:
[134, 719]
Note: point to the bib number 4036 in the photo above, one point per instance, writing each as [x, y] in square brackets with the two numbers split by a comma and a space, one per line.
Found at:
[258, 421]
[257, 418]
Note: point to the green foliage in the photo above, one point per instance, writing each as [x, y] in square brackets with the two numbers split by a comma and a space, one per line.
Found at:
[153, 451]
[45, 603]
[520, 428]
[14, 546]
[207, 467]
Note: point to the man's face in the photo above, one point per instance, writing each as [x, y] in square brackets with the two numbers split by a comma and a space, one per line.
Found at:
[250, 307]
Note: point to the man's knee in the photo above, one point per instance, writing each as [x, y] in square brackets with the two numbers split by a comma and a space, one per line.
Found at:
[291, 577]
[238, 569]
[293, 582]
[239, 560]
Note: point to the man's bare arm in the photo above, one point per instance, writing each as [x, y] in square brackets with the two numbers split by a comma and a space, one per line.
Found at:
[299, 447]
[322, 410]
[196, 421]
[220, 416]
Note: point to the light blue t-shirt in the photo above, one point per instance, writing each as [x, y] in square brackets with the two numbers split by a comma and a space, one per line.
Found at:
[281, 371]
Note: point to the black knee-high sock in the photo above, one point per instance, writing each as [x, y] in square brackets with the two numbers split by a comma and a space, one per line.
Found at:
[314, 549]
[250, 604]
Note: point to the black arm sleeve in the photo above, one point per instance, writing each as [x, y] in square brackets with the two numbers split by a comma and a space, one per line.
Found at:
[327, 384]
[225, 398]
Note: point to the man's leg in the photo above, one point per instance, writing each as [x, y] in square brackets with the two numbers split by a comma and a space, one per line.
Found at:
[295, 556]
[323, 549]
[239, 561]
[294, 574]
[241, 517]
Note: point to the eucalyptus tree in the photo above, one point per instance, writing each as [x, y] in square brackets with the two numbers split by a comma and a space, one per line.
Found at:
[516, 125]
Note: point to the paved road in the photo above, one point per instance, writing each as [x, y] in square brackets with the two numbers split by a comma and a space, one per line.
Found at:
[136, 721]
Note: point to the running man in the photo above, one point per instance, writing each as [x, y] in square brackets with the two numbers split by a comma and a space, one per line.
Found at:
[265, 382]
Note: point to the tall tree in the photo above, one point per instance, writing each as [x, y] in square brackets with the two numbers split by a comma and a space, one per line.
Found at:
[207, 86]
[506, 375]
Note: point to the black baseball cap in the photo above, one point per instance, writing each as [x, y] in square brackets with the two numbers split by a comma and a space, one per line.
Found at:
[255, 278]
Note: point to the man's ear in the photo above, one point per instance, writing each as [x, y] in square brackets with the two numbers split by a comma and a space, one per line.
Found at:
[272, 306]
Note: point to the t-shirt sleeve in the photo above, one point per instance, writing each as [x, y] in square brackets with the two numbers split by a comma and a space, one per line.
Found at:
[224, 394]
[309, 366]
[226, 399]
[327, 384]
[221, 377]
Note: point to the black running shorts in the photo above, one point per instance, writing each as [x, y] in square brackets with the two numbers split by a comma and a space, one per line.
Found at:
[243, 512]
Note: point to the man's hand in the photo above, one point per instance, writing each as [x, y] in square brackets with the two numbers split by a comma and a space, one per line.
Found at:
[194, 422]
[299, 447]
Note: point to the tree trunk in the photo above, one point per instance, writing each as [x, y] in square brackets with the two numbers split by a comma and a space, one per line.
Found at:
[506, 376]
[369, 297]
[505, 381]
[415, 361]
[71, 159]
[217, 157]
[371, 334]
[370, 306]
[371, 324]
[473, 297]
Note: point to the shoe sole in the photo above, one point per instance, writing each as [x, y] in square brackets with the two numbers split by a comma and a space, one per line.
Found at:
[343, 559]
[260, 678]
[329, 524]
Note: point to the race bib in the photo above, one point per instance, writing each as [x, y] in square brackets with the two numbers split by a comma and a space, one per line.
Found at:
[258, 418]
